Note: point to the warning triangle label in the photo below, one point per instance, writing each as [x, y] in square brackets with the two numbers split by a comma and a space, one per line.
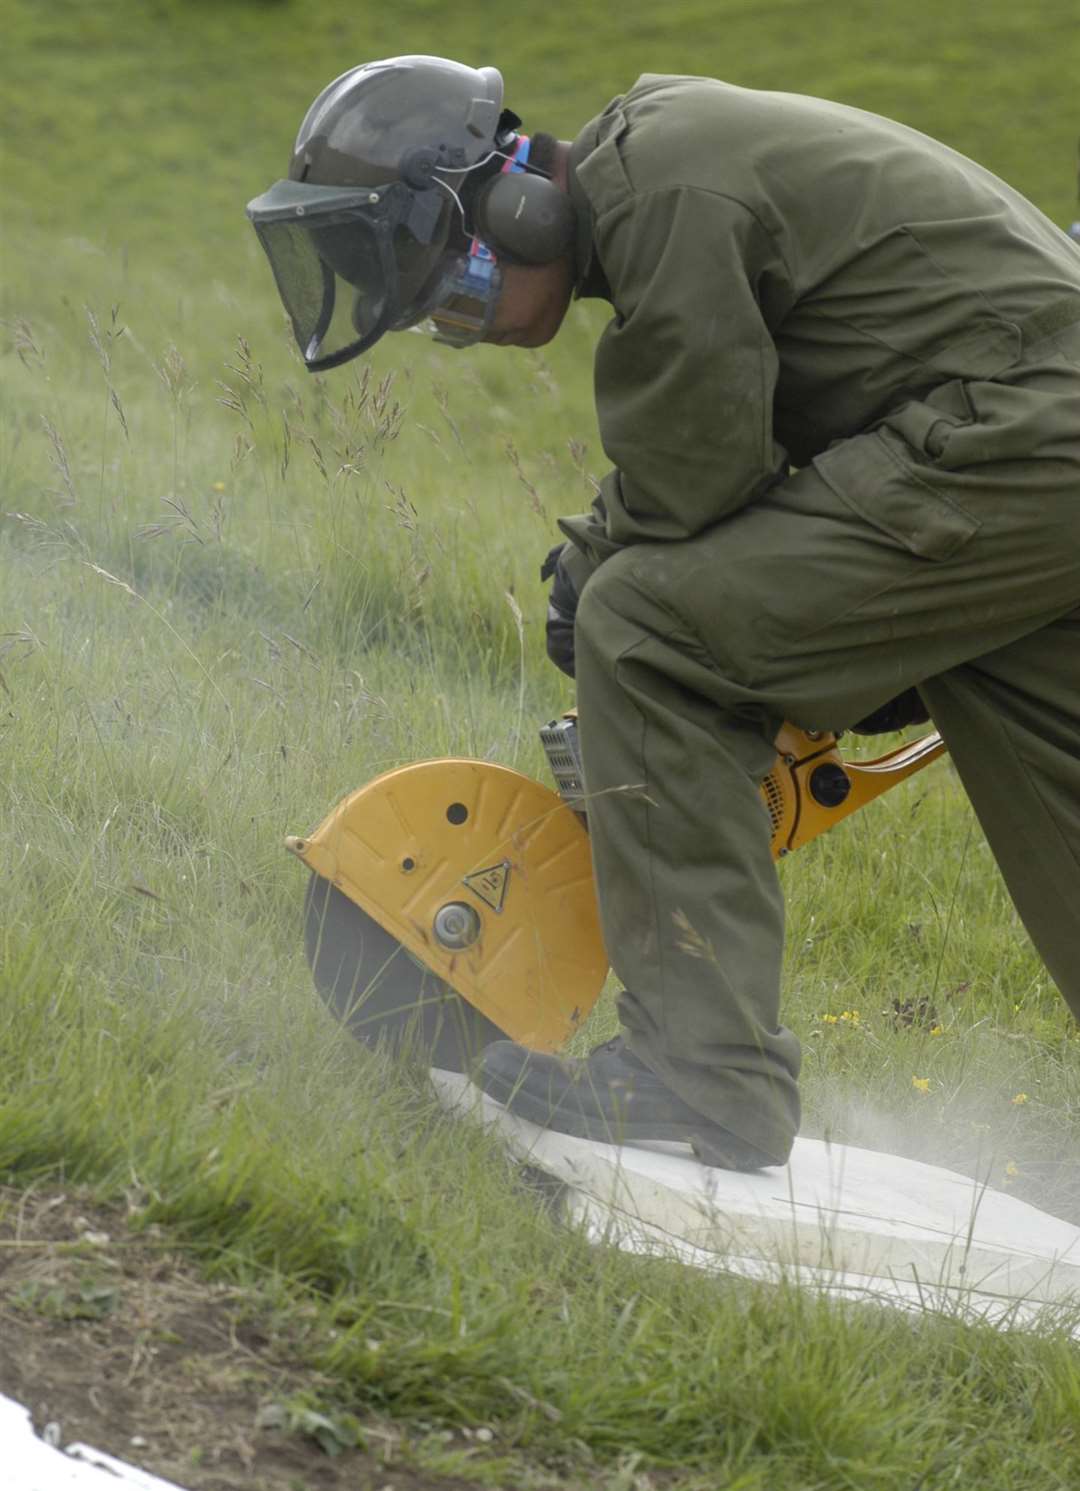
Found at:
[490, 884]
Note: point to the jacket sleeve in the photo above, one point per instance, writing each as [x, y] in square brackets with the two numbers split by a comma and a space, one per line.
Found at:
[685, 371]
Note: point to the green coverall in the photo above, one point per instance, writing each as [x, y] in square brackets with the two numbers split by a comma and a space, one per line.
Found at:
[841, 390]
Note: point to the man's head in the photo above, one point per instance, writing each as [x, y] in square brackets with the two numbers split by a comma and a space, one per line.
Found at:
[412, 200]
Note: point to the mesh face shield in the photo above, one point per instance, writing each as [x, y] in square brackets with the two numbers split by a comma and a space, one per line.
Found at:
[351, 263]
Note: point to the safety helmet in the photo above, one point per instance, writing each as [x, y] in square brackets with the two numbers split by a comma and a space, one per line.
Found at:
[399, 166]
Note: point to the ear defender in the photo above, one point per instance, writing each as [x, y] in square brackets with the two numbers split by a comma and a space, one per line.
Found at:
[527, 219]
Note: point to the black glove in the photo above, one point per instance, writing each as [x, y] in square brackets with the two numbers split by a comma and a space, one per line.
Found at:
[562, 608]
[906, 709]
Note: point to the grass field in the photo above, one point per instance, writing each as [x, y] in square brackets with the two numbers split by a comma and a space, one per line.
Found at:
[229, 593]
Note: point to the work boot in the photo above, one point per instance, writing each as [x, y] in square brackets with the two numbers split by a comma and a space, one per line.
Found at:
[611, 1096]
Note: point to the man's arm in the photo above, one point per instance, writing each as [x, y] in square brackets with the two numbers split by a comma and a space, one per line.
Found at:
[685, 372]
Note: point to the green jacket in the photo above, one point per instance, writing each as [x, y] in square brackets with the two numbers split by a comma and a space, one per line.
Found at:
[786, 272]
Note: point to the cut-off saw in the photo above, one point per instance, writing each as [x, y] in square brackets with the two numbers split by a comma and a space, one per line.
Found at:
[452, 903]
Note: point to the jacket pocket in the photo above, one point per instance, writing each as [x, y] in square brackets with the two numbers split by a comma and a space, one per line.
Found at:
[872, 478]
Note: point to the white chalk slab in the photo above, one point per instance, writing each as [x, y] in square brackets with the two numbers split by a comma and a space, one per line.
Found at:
[852, 1221]
[30, 1464]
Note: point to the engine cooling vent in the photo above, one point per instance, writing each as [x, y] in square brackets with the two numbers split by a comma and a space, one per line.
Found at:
[560, 742]
[773, 796]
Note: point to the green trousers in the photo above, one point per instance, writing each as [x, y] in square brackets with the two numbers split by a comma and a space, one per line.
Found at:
[896, 559]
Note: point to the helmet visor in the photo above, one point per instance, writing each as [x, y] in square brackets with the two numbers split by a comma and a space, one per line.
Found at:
[350, 263]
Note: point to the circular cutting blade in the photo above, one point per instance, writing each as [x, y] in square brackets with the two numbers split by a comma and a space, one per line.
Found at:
[381, 992]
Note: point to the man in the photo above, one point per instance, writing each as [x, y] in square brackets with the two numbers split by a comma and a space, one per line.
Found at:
[841, 392]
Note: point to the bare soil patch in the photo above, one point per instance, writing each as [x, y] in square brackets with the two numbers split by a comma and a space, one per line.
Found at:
[113, 1336]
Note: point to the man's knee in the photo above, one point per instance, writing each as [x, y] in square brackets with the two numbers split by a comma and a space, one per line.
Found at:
[673, 594]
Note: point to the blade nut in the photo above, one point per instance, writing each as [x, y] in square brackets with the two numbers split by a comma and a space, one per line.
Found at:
[456, 925]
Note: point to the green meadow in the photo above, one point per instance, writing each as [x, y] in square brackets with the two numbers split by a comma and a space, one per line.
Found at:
[230, 593]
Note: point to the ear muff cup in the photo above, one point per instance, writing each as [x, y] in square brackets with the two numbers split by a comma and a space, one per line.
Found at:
[528, 219]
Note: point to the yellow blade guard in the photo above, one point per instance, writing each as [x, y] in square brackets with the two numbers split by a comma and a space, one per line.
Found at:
[485, 876]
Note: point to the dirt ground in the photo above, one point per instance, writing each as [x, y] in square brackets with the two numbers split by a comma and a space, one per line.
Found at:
[113, 1337]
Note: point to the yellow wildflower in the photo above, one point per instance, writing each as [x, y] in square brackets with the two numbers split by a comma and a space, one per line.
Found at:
[829, 1019]
[1021, 1097]
[851, 1016]
[921, 1084]
[938, 1030]
[1012, 1169]
[219, 486]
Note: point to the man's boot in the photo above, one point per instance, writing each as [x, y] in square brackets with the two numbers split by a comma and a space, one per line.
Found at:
[610, 1096]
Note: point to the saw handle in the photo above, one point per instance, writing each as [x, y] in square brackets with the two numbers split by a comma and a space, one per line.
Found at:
[817, 787]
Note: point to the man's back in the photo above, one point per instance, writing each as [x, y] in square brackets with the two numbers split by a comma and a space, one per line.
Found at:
[882, 263]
